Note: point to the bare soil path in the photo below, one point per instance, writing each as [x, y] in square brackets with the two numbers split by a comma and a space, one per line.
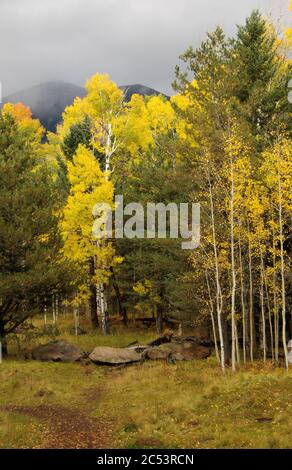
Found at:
[66, 428]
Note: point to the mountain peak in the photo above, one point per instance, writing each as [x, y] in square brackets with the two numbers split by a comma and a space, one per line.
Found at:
[48, 100]
[138, 89]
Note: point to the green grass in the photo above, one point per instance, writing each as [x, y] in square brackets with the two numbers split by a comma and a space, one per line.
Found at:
[17, 431]
[34, 383]
[120, 336]
[187, 405]
[191, 405]
[30, 383]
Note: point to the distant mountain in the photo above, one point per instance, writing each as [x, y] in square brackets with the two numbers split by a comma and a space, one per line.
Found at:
[47, 101]
[130, 90]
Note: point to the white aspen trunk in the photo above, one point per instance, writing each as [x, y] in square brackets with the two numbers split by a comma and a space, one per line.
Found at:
[251, 333]
[233, 289]
[45, 313]
[108, 148]
[264, 340]
[103, 309]
[54, 311]
[97, 290]
[105, 299]
[270, 318]
[283, 290]
[213, 319]
[98, 300]
[102, 290]
[242, 304]
[219, 302]
[237, 343]
[76, 319]
[275, 303]
[57, 308]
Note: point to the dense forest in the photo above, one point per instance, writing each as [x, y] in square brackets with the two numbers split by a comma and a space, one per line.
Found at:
[222, 140]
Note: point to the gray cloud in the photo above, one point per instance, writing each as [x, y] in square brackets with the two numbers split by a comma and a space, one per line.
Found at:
[135, 41]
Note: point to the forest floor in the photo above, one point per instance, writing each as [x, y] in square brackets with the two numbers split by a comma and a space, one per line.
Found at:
[149, 405]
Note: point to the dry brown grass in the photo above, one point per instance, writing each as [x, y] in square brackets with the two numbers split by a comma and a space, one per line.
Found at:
[191, 405]
[187, 405]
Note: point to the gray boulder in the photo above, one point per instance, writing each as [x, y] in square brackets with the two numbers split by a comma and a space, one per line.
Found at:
[107, 355]
[156, 354]
[57, 351]
[178, 350]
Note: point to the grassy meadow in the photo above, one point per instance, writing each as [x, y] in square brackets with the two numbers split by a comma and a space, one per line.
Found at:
[149, 405]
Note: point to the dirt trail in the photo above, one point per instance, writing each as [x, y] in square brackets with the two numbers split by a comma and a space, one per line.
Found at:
[66, 428]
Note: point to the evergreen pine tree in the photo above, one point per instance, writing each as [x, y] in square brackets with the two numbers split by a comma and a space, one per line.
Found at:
[30, 260]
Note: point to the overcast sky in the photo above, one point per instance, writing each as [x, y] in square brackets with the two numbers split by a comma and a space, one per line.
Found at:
[135, 41]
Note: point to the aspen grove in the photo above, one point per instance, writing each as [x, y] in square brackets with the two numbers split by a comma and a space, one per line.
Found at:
[223, 140]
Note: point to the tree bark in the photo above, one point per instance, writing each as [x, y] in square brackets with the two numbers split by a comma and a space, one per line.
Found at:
[3, 341]
[270, 318]
[103, 310]
[122, 309]
[275, 304]
[264, 340]
[251, 312]
[243, 310]
[159, 319]
[233, 288]
[212, 319]
[93, 299]
[283, 289]
[219, 302]
[93, 307]
[226, 341]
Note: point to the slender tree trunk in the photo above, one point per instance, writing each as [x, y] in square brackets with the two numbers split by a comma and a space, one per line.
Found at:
[233, 288]
[251, 313]
[283, 289]
[45, 312]
[3, 342]
[270, 318]
[102, 288]
[212, 318]
[159, 319]
[275, 303]
[54, 311]
[219, 302]
[76, 319]
[122, 309]
[57, 308]
[243, 310]
[108, 151]
[264, 340]
[93, 307]
[93, 297]
[103, 310]
[237, 343]
[226, 337]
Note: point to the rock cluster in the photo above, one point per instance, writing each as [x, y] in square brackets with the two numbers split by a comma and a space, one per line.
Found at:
[170, 349]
